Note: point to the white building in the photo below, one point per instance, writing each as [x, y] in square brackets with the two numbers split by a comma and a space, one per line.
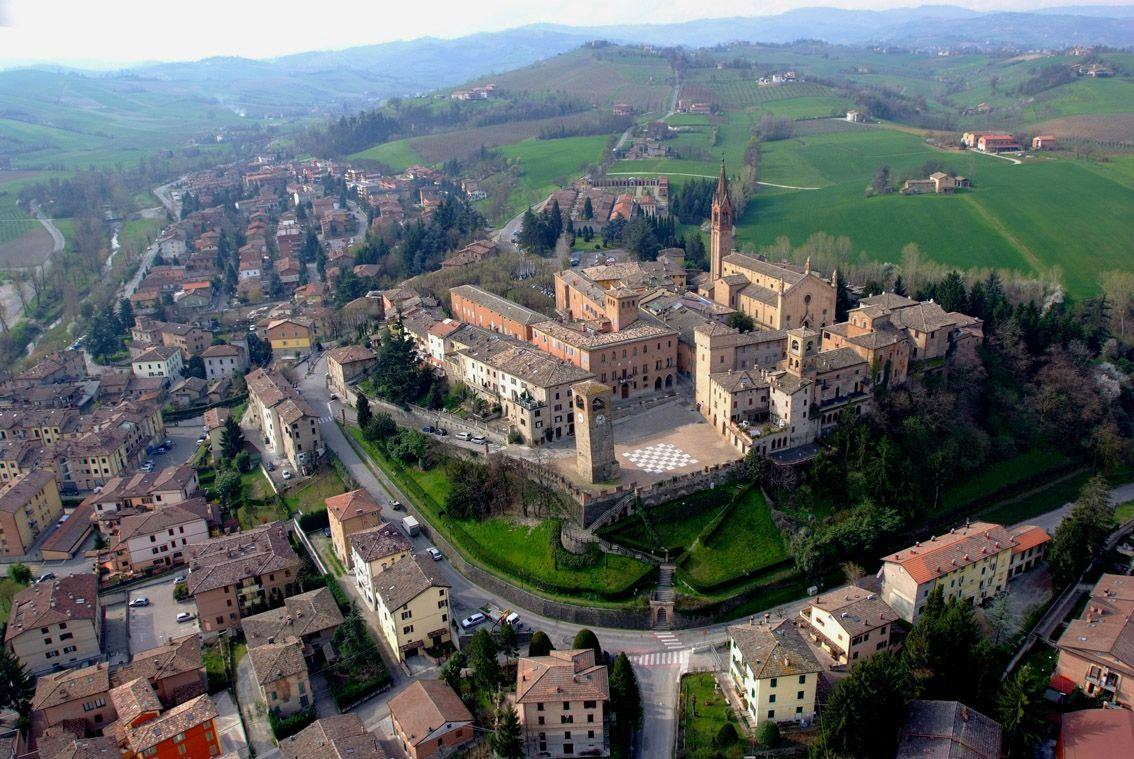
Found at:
[222, 361]
[373, 551]
[158, 361]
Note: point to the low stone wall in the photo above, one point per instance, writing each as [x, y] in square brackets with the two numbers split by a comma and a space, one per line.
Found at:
[620, 506]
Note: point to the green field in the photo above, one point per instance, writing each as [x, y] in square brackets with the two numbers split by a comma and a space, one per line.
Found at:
[673, 525]
[704, 710]
[1057, 217]
[547, 165]
[746, 542]
[518, 553]
[309, 496]
[398, 155]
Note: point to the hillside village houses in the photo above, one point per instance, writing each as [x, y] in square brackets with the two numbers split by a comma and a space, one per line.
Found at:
[849, 623]
[412, 602]
[29, 503]
[773, 671]
[561, 701]
[224, 360]
[347, 514]
[346, 365]
[429, 719]
[288, 425]
[971, 563]
[158, 361]
[233, 575]
[56, 624]
[373, 551]
[1096, 651]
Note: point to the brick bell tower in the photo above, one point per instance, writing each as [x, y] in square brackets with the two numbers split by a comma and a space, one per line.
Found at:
[594, 432]
[720, 244]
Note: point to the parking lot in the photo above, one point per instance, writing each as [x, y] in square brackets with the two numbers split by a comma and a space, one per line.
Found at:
[184, 437]
[155, 624]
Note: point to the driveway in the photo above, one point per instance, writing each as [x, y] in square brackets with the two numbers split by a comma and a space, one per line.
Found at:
[229, 727]
[253, 708]
[153, 625]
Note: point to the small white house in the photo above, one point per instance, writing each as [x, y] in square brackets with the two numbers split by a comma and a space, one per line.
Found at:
[158, 361]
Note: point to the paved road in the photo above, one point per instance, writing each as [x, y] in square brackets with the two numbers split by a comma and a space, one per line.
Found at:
[659, 676]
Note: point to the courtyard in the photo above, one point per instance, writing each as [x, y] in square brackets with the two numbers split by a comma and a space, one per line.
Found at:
[655, 444]
[153, 625]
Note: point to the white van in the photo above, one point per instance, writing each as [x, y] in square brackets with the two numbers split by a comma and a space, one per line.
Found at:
[513, 619]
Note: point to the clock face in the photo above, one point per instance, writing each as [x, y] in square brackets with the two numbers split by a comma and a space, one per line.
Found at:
[579, 417]
[599, 420]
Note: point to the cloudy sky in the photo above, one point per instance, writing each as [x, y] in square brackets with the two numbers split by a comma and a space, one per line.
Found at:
[107, 32]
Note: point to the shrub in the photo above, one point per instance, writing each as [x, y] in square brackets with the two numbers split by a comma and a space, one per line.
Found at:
[180, 591]
[285, 727]
[540, 644]
[345, 605]
[316, 520]
[20, 573]
[587, 639]
[726, 736]
[768, 733]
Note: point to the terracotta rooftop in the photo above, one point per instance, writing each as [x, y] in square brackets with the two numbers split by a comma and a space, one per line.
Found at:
[55, 688]
[348, 354]
[15, 494]
[960, 547]
[497, 304]
[305, 614]
[174, 722]
[62, 600]
[1028, 536]
[580, 336]
[340, 737]
[1093, 733]
[774, 651]
[158, 520]
[274, 661]
[351, 504]
[570, 675]
[379, 542]
[405, 580]
[1105, 631]
[427, 706]
[223, 561]
[134, 699]
[175, 657]
[857, 610]
[69, 746]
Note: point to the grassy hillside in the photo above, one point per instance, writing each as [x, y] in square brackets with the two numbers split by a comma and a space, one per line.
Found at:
[601, 76]
[1043, 214]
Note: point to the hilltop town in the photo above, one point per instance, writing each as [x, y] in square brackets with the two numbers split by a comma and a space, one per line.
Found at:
[502, 421]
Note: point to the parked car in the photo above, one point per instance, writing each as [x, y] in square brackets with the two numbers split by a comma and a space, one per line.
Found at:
[271, 467]
[202, 439]
[326, 532]
[479, 439]
[186, 616]
[46, 577]
[168, 444]
[470, 622]
[397, 506]
[139, 602]
[428, 429]
[161, 450]
[442, 432]
[287, 474]
[435, 554]
[463, 436]
[179, 579]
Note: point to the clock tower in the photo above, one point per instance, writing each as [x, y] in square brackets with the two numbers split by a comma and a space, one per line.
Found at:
[594, 431]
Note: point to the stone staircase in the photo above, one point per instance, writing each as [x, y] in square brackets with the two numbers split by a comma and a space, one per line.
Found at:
[663, 599]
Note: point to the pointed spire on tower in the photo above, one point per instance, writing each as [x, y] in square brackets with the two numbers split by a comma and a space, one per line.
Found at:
[722, 183]
[835, 278]
[807, 266]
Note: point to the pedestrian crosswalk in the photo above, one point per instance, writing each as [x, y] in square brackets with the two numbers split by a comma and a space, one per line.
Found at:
[326, 419]
[661, 659]
[668, 639]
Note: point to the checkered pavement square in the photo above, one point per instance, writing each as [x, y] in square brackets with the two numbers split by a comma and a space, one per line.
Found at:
[659, 458]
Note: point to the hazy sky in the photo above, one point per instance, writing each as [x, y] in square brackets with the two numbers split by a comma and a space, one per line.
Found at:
[89, 32]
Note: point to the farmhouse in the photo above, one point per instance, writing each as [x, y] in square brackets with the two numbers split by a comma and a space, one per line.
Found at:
[1044, 142]
[938, 182]
[997, 143]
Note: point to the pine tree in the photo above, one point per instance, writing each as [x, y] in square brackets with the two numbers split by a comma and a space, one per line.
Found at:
[125, 313]
[16, 685]
[362, 409]
[481, 653]
[506, 742]
[899, 286]
[588, 209]
[1020, 711]
[232, 439]
[865, 711]
[625, 695]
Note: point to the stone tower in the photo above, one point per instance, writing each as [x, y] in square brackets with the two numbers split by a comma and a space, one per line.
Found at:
[802, 344]
[720, 244]
[594, 431]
